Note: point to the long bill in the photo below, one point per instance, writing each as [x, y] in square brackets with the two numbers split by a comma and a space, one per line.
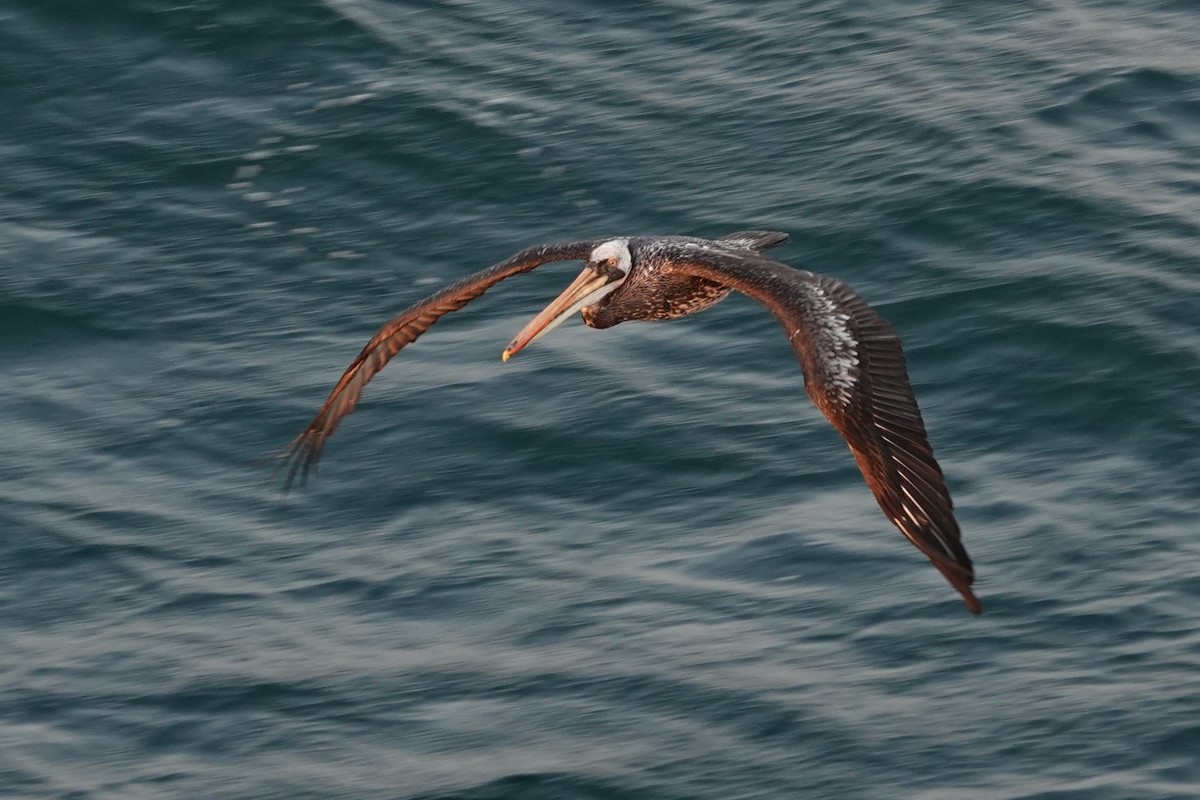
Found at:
[585, 290]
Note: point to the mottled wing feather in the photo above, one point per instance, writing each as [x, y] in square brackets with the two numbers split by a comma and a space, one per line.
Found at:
[855, 373]
[302, 454]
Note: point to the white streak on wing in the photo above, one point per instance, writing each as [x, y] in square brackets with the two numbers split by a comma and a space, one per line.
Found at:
[835, 347]
[727, 249]
[914, 515]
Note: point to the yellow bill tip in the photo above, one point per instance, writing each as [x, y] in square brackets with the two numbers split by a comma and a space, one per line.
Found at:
[504, 356]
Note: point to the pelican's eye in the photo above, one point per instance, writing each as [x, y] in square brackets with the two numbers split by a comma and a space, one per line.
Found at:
[609, 267]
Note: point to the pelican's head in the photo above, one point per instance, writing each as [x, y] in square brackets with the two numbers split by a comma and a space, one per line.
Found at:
[608, 265]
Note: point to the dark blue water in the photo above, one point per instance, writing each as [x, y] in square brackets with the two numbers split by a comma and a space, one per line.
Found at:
[632, 563]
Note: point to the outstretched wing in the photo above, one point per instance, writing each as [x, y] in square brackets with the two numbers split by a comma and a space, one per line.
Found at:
[305, 450]
[855, 373]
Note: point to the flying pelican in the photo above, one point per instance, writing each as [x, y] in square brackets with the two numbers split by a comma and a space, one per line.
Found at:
[853, 365]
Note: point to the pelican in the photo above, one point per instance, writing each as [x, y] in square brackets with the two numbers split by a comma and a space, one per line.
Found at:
[853, 365]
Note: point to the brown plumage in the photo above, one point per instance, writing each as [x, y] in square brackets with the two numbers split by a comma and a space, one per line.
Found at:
[853, 365]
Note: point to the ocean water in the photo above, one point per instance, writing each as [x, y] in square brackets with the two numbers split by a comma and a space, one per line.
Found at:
[631, 563]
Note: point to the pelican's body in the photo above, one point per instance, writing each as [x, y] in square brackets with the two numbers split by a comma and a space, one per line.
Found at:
[854, 368]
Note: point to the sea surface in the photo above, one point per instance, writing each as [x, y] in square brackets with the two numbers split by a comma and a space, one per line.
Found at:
[628, 564]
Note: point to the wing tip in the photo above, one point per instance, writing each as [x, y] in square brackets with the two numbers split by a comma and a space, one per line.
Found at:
[299, 457]
[974, 605]
[960, 578]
